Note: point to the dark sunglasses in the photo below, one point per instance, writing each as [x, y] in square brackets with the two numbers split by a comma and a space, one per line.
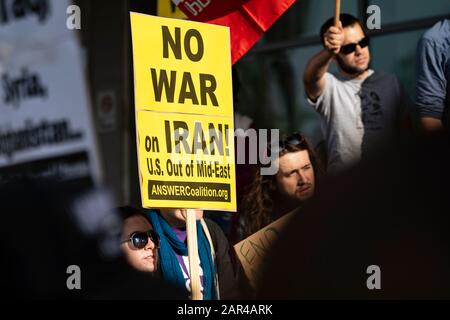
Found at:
[139, 239]
[351, 47]
[295, 139]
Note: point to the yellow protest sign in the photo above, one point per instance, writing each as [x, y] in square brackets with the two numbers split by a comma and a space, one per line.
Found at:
[252, 252]
[166, 8]
[184, 113]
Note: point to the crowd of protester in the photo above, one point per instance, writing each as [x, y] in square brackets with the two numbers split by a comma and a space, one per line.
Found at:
[379, 197]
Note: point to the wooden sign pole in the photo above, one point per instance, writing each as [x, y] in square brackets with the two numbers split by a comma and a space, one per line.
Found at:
[337, 12]
[194, 271]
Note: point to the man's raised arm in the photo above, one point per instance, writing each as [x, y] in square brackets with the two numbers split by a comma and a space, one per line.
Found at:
[317, 66]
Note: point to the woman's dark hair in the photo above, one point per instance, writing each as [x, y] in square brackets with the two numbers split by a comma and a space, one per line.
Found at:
[127, 211]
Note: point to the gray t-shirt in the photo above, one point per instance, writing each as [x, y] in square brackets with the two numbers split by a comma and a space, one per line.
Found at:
[358, 115]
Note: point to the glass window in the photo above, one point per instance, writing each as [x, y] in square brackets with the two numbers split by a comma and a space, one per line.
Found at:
[272, 91]
[403, 10]
[396, 53]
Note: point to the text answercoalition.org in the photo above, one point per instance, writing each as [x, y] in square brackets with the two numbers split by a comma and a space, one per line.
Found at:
[158, 190]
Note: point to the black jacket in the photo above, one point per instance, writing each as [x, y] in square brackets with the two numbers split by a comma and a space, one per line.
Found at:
[227, 280]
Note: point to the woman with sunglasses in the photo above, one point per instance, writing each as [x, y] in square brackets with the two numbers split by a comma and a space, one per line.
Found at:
[139, 242]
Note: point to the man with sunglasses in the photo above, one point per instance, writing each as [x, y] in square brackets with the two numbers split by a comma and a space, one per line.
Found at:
[359, 108]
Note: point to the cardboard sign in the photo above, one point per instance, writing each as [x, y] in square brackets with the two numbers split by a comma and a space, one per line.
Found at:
[184, 113]
[253, 250]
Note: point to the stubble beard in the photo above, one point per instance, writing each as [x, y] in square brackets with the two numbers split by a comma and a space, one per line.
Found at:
[353, 71]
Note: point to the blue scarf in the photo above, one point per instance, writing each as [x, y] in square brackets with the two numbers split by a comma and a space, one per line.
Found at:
[170, 244]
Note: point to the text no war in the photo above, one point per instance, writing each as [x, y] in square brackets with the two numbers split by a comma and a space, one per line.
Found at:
[177, 86]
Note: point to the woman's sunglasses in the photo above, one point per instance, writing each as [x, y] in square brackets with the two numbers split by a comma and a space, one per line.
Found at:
[140, 239]
[351, 47]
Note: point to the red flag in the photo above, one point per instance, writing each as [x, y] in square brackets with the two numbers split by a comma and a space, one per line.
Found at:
[247, 19]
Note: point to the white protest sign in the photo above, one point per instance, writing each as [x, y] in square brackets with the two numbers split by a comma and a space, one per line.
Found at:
[46, 127]
[25, 23]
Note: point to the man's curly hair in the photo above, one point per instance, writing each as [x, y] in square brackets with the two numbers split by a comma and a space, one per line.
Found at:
[258, 203]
